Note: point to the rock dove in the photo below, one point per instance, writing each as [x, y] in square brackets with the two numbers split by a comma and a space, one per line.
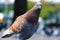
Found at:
[26, 25]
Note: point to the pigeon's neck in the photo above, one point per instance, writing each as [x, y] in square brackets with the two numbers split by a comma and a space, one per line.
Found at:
[33, 16]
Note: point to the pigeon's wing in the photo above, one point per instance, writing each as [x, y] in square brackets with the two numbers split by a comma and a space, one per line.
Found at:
[15, 27]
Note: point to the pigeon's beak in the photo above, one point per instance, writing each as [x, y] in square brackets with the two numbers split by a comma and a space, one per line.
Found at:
[7, 33]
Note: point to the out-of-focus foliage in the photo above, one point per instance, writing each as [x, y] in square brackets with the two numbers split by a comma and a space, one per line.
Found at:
[49, 7]
[2, 8]
[30, 5]
[10, 7]
[46, 8]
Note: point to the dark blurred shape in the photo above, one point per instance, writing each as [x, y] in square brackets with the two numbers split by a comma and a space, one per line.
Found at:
[48, 30]
[20, 7]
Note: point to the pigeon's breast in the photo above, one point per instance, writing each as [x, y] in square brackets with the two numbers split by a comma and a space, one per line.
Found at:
[28, 30]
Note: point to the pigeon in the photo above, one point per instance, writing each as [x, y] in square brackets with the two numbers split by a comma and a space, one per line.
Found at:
[26, 25]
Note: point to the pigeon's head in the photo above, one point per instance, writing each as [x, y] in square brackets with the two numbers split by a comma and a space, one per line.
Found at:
[38, 5]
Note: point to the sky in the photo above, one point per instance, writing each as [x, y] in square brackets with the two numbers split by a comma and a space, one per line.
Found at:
[12, 1]
[54, 1]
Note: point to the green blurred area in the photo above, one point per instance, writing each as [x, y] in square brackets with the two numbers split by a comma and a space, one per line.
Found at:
[46, 8]
[10, 7]
[2, 8]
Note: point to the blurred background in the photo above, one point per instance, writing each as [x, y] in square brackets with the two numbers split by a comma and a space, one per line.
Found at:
[49, 20]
